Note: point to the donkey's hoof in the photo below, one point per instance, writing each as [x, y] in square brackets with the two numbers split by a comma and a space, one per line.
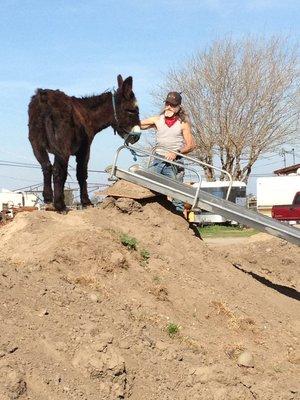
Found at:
[60, 208]
[49, 207]
[63, 212]
[88, 205]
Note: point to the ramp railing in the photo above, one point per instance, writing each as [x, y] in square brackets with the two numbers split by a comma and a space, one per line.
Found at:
[154, 155]
[195, 161]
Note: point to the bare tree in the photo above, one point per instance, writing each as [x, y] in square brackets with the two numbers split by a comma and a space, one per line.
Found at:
[241, 98]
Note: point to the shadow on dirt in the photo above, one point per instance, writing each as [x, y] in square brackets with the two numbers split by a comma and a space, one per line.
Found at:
[285, 290]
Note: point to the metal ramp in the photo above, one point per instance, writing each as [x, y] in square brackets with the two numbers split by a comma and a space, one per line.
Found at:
[201, 199]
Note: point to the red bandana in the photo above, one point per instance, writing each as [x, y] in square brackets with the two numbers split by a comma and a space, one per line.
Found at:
[171, 120]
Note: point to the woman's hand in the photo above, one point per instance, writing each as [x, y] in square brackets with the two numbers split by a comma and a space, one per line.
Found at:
[170, 156]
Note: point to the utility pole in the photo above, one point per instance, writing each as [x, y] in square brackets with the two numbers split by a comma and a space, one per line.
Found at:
[283, 153]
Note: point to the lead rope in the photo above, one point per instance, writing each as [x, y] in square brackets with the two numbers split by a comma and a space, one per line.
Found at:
[134, 154]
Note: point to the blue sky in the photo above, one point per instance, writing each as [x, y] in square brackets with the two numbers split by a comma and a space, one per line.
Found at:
[80, 47]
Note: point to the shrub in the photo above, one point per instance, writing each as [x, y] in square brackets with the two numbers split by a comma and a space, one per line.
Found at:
[172, 329]
[145, 255]
[128, 241]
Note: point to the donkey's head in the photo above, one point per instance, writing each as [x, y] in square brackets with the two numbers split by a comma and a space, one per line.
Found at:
[126, 111]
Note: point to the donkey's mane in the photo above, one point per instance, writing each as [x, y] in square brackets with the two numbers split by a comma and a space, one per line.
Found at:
[94, 101]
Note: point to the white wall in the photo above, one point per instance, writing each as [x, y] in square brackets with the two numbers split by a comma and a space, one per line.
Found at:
[277, 190]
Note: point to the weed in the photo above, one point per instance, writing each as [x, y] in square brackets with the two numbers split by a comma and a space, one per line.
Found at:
[156, 279]
[172, 329]
[278, 369]
[145, 255]
[128, 241]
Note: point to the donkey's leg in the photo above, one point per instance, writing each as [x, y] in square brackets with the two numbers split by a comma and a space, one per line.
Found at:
[43, 158]
[60, 171]
[82, 158]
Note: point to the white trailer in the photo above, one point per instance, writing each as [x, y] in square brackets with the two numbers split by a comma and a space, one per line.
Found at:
[277, 190]
[219, 189]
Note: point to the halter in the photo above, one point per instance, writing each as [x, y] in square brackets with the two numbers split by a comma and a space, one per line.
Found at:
[113, 93]
[128, 134]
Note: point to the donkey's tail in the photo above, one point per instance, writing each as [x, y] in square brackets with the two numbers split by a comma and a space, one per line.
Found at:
[53, 144]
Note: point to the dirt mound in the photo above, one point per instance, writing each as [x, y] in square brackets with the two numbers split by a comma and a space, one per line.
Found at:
[124, 302]
[130, 190]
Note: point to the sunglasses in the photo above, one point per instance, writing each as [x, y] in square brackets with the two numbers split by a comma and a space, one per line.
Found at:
[170, 105]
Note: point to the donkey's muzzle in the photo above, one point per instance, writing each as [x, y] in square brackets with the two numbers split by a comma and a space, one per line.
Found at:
[134, 135]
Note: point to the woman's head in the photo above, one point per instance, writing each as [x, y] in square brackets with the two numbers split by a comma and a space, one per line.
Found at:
[172, 104]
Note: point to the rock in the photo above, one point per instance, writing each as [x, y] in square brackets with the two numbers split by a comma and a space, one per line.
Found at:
[118, 260]
[128, 205]
[108, 202]
[102, 341]
[43, 312]
[203, 374]
[57, 380]
[11, 349]
[105, 365]
[245, 360]
[94, 298]
[14, 382]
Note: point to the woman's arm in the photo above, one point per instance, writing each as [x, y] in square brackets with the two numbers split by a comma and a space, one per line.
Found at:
[149, 122]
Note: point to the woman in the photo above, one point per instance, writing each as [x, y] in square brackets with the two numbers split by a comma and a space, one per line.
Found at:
[173, 132]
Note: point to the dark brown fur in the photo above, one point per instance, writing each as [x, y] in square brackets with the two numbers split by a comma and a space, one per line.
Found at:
[65, 126]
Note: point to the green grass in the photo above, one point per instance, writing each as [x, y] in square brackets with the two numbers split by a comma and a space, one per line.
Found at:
[219, 231]
[129, 241]
[172, 329]
[145, 255]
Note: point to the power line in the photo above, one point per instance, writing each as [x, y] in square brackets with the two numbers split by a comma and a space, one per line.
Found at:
[20, 166]
[27, 165]
[15, 179]
[272, 163]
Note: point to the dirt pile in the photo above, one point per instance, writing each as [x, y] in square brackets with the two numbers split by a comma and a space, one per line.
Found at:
[124, 302]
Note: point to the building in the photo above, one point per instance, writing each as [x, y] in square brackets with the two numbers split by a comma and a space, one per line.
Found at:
[279, 189]
[292, 169]
[10, 199]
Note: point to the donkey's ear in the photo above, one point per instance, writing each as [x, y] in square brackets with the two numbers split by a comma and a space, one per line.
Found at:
[120, 81]
[127, 87]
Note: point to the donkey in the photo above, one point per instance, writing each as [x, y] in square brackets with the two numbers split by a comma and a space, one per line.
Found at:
[65, 126]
